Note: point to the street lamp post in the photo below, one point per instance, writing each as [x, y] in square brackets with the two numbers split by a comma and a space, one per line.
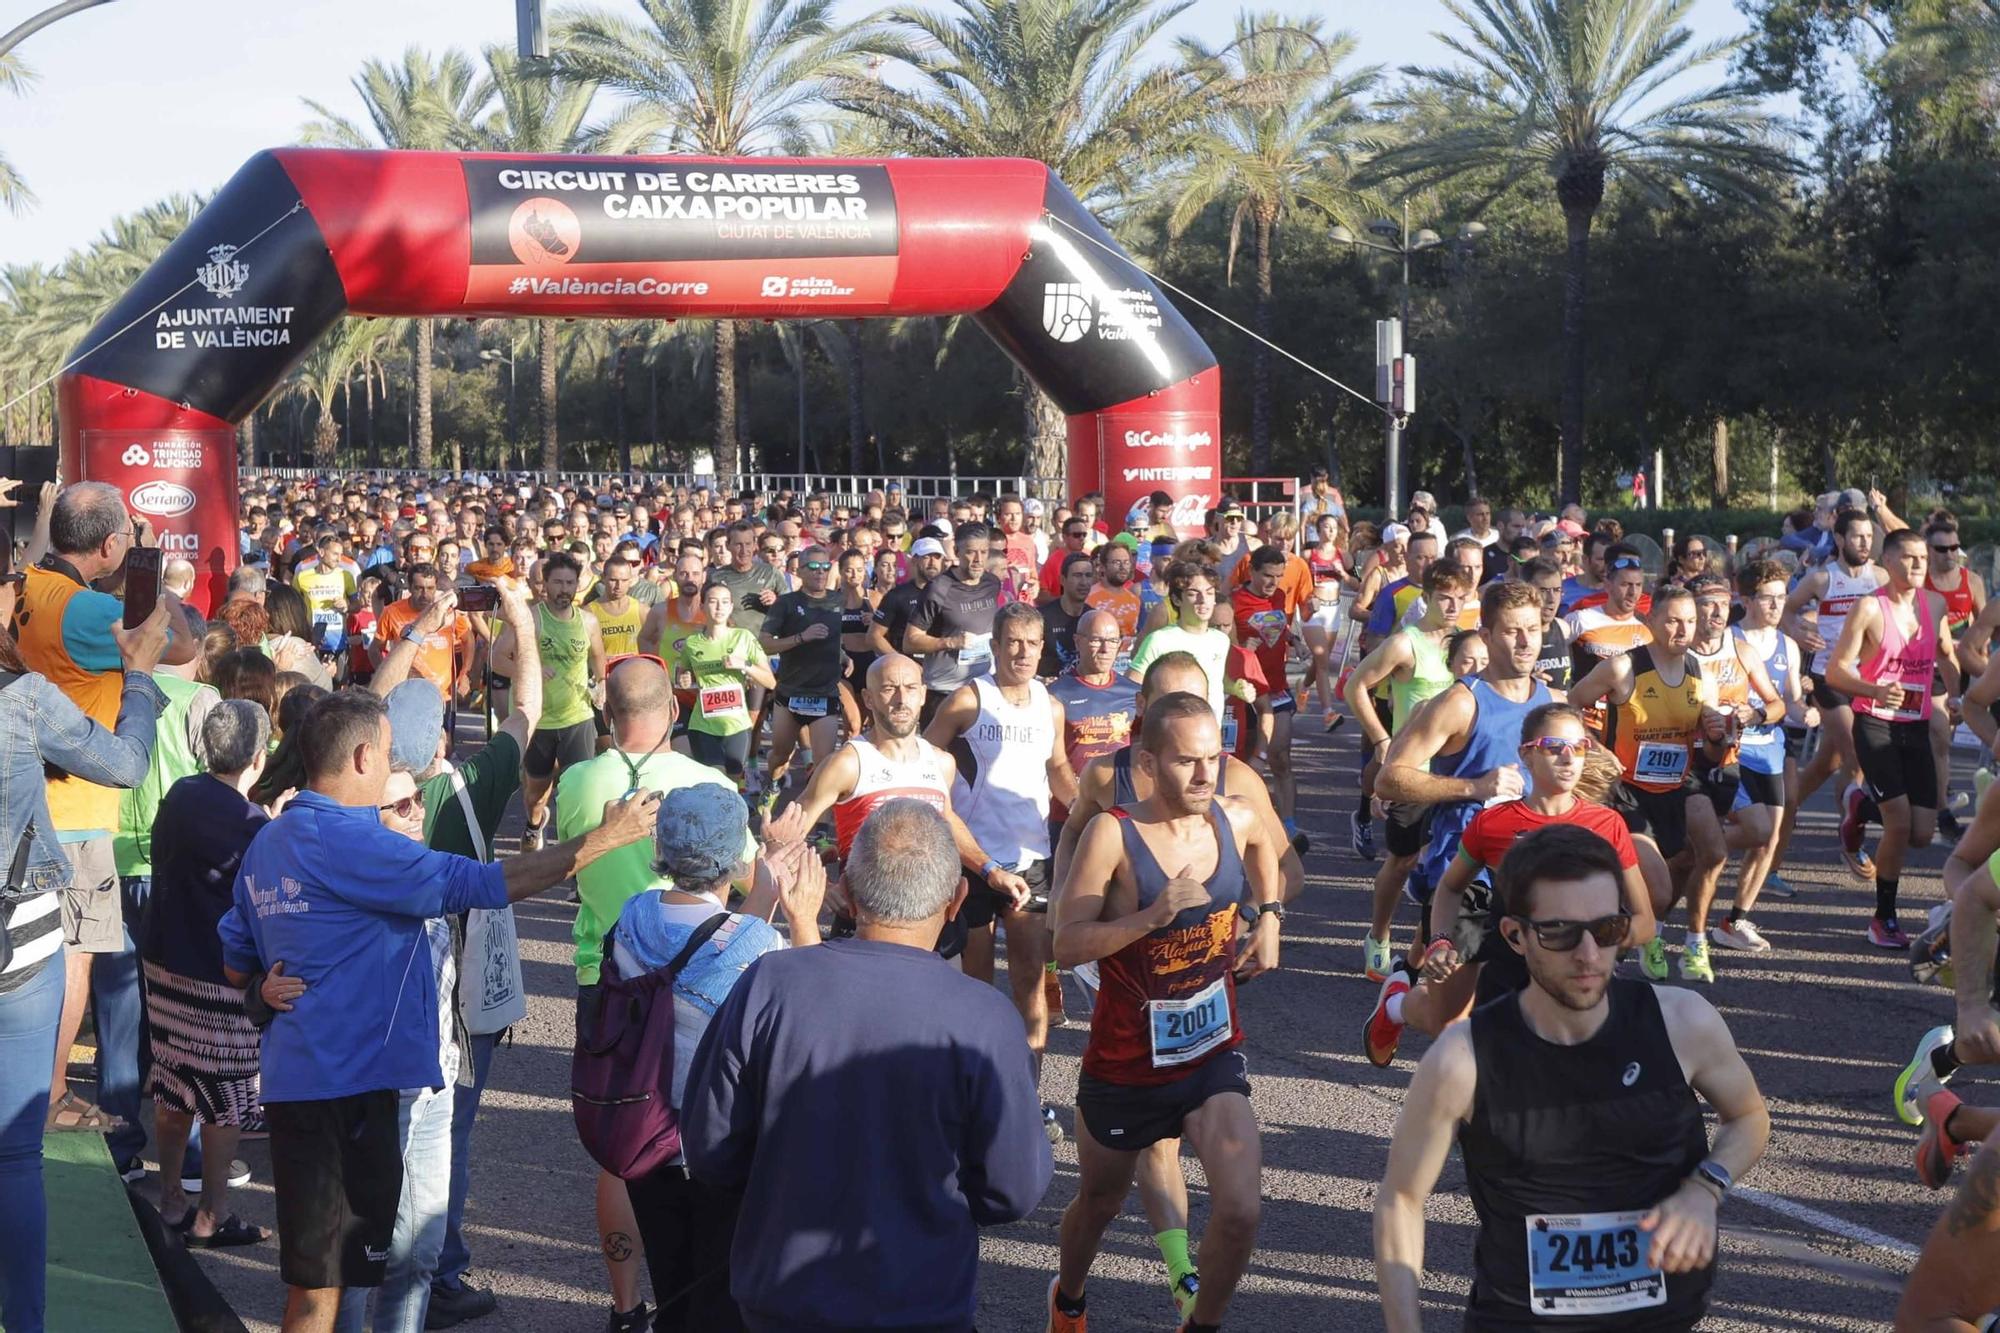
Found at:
[494, 354]
[1397, 240]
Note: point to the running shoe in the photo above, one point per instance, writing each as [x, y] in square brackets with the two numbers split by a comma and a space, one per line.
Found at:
[1301, 844]
[1887, 935]
[1184, 1292]
[1919, 1079]
[1741, 935]
[1382, 1034]
[1777, 886]
[1854, 828]
[1361, 837]
[1694, 962]
[1959, 800]
[1930, 951]
[1333, 721]
[239, 1176]
[532, 836]
[1064, 1323]
[1982, 778]
[638, 1319]
[1376, 958]
[1948, 825]
[1051, 1126]
[1937, 1151]
[1653, 959]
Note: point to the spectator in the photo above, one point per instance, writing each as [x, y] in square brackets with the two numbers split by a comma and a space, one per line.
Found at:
[932, 1103]
[204, 1045]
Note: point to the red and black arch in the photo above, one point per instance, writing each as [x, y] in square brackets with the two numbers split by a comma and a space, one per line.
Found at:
[299, 237]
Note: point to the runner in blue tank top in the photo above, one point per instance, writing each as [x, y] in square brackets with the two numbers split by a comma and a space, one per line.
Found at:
[1461, 751]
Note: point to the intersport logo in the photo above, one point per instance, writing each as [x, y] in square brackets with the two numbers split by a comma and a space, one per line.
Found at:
[164, 499]
[1167, 439]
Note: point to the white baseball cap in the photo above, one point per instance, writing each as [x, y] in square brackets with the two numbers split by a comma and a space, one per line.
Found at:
[927, 546]
[1394, 532]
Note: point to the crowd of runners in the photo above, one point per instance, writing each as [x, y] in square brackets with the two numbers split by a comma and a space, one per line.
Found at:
[924, 737]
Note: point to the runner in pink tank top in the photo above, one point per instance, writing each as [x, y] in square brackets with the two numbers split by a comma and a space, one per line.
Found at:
[1902, 658]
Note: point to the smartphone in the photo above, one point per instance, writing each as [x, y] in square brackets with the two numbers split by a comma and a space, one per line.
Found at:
[479, 597]
[142, 584]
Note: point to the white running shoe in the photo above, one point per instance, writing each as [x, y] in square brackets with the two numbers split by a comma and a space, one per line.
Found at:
[1742, 936]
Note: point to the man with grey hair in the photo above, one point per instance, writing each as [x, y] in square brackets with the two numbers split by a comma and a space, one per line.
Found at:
[246, 584]
[933, 1102]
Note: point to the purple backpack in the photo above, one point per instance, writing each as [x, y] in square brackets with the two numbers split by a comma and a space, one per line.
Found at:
[621, 1076]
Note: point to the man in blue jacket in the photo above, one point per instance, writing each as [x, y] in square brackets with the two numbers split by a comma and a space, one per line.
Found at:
[341, 901]
[932, 1103]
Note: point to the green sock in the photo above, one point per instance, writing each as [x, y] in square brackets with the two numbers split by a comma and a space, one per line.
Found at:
[1174, 1249]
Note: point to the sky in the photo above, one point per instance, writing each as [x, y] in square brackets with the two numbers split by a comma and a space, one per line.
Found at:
[139, 99]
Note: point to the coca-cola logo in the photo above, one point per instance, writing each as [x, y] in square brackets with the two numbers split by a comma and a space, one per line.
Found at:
[164, 499]
[1167, 439]
[1190, 512]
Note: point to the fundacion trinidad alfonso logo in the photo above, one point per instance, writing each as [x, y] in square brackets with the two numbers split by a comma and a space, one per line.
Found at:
[224, 274]
[1066, 311]
[136, 456]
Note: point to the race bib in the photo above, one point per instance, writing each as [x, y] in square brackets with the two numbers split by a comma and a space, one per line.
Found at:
[807, 705]
[1123, 664]
[1658, 762]
[1185, 1030]
[1229, 731]
[978, 651]
[1590, 1264]
[717, 700]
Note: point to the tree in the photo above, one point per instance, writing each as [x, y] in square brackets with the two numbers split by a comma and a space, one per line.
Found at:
[1285, 138]
[1065, 82]
[1571, 89]
[422, 102]
[320, 378]
[15, 77]
[724, 78]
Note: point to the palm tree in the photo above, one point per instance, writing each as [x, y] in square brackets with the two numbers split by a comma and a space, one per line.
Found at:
[1066, 82]
[725, 78]
[15, 76]
[321, 378]
[1285, 139]
[1572, 89]
[420, 102]
[533, 112]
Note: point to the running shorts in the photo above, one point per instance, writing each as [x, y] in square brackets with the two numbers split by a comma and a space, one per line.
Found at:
[1762, 788]
[1795, 742]
[567, 746]
[1719, 785]
[985, 904]
[809, 708]
[1663, 814]
[1896, 760]
[337, 1166]
[1409, 828]
[1127, 1118]
[1825, 695]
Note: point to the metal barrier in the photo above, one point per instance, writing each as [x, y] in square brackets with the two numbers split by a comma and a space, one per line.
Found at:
[1267, 496]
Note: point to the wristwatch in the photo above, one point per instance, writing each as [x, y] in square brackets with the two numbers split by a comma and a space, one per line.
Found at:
[410, 635]
[1717, 1175]
[1270, 909]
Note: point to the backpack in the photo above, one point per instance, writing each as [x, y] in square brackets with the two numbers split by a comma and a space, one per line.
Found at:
[622, 1071]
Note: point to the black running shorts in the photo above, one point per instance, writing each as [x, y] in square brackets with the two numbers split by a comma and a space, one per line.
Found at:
[1825, 695]
[1896, 760]
[337, 1170]
[1409, 828]
[1764, 788]
[1663, 814]
[567, 746]
[985, 904]
[1128, 1118]
[1719, 785]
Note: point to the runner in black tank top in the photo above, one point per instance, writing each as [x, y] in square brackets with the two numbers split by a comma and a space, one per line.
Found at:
[1573, 1104]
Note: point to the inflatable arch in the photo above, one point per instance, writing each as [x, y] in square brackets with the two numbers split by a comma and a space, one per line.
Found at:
[299, 237]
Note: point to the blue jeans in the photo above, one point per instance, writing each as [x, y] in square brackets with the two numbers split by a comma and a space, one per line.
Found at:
[456, 1258]
[405, 1294]
[123, 1053]
[28, 1021]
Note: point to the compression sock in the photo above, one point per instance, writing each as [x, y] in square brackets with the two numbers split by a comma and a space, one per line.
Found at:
[1885, 896]
[1945, 1061]
[1174, 1249]
[1072, 1306]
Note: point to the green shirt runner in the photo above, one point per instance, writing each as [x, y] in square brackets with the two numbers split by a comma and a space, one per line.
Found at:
[721, 706]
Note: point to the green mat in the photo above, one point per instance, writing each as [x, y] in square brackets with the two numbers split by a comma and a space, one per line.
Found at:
[101, 1275]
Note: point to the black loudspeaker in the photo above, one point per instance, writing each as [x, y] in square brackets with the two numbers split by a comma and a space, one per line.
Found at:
[31, 465]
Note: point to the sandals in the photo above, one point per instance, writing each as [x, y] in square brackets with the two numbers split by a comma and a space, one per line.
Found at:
[70, 1113]
[233, 1232]
[187, 1220]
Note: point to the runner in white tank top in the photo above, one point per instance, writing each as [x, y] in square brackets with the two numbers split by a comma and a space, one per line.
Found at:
[1844, 587]
[1005, 795]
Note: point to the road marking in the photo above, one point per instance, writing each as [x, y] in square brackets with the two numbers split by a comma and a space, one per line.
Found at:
[1813, 1217]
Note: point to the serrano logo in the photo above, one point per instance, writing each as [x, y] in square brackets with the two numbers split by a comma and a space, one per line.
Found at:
[163, 498]
[1066, 311]
[136, 456]
[544, 232]
[1167, 439]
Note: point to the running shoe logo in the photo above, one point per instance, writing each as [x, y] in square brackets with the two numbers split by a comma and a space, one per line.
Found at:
[1631, 1073]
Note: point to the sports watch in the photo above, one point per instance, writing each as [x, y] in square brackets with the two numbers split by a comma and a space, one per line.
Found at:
[1717, 1175]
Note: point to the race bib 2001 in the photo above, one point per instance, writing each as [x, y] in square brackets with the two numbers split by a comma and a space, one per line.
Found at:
[1590, 1264]
[1185, 1030]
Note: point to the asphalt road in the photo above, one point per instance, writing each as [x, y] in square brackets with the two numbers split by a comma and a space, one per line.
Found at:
[1821, 1237]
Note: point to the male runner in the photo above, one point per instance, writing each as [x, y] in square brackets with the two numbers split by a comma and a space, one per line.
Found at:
[1264, 628]
[1545, 576]
[1061, 614]
[573, 658]
[1657, 712]
[1006, 735]
[1612, 627]
[619, 614]
[1379, 606]
[1467, 962]
[1117, 563]
[1161, 1061]
[951, 629]
[802, 636]
[1833, 588]
[1411, 662]
[898, 604]
[1100, 704]
[1890, 646]
[1964, 596]
[1573, 1104]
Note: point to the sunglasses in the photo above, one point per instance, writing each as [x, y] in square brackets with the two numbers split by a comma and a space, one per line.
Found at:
[817, 564]
[1561, 936]
[1560, 746]
[1695, 553]
[1627, 562]
[1946, 550]
[409, 807]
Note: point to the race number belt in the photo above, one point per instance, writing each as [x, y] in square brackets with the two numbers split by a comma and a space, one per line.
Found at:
[807, 705]
[1590, 1264]
[719, 699]
[1185, 1030]
[1660, 762]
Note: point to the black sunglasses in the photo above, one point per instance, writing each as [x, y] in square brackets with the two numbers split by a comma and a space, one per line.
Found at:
[1627, 562]
[1562, 936]
[1953, 549]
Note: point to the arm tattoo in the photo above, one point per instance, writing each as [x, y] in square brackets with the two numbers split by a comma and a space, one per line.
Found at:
[1978, 1201]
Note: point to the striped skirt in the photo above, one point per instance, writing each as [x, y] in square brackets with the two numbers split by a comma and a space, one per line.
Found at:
[205, 1049]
